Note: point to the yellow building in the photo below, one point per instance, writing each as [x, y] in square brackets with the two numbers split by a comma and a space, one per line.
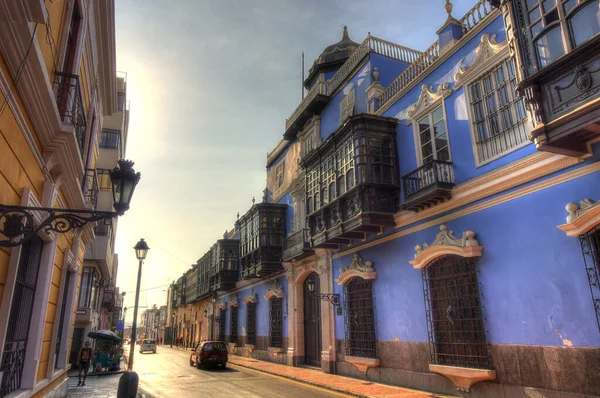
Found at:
[58, 83]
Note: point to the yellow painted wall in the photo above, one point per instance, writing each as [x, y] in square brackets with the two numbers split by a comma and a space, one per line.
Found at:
[57, 10]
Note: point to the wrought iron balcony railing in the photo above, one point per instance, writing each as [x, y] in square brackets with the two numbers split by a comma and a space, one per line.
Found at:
[90, 187]
[297, 245]
[70, 105]
[108, 299]
[428, 185]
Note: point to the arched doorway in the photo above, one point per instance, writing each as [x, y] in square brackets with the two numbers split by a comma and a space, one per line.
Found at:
[312, 321]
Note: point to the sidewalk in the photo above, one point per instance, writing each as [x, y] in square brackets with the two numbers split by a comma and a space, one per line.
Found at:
[355, 387]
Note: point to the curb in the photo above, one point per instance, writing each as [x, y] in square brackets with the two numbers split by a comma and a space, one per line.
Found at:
[312, 383]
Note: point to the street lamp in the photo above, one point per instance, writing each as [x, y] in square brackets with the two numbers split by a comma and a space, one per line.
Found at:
[332, 298]
[18, 221]
[141, 250]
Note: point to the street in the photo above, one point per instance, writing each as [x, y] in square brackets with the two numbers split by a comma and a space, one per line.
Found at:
[168, 374]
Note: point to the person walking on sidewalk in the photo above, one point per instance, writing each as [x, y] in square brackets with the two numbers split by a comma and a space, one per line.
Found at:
[83, 362]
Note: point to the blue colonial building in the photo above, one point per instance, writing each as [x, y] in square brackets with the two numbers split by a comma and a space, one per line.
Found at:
[413, 229]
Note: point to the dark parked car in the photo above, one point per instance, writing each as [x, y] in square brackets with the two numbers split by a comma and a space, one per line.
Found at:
[209, 353]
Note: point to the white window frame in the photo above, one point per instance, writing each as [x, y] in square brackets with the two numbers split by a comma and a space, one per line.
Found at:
[279, 174]
[428, 102]
[490, 55]
[347, 105]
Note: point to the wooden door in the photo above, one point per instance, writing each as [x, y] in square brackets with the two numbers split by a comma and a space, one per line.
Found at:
[312, 322]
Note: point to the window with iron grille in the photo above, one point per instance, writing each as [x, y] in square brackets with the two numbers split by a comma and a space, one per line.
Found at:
[590, 248]
[498, 114]
[359, 318]
[233, 333]
[454, 314]
[221, 325]
[110, 139]
[104, 182]
[275, 322]
[251, 323]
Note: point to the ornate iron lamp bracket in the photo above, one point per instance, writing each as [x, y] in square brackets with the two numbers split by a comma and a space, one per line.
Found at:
[333, 298]
[18, 221]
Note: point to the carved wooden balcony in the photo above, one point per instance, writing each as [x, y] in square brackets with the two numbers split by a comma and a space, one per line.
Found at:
[262, 230]
[562, 86]
[352, 184]
[428, 185]
[314, 102]
[108, 299]
[225, 256]
[297, 245]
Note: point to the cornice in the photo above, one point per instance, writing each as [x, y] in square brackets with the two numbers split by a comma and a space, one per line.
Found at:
[582, 217]
[550, 182]
[512, 175]
[489, 52]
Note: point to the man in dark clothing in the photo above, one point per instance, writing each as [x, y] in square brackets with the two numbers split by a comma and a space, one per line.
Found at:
[83, 361]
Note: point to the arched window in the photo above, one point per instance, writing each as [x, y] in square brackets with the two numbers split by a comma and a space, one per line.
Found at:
[332, 191]
[341, 185]
[275, 322]
[359, 318]
[454, 313]
[309, 206]
[233, 322]
[350, 179]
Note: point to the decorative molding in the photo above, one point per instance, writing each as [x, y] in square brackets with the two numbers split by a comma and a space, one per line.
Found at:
[275, 291]
[446, 243]
[222, 305]
[363, 364]
[275, 350]
[463, 378]
[489, 53]
[582, 217]
[518, 193]
[357, 269]
[427, 100]
[250, 298]
[233, 302]
[320, 263]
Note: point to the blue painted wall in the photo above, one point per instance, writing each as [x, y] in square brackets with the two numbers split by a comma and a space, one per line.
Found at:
[456, 114]
[330, 116]
[388, 68]
[533, 283]
[287, 200]
[262, 309]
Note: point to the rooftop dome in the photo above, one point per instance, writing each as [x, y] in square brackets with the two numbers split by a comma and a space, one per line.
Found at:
[334, 55]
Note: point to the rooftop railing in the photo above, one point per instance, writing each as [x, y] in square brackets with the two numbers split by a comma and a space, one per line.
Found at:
[422, 64]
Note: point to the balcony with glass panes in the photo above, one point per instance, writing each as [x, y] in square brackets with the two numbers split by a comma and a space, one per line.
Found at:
[204, 275]
[432, 182]
[559, 54]
[225, 261]
[262, 231]
[352, 182]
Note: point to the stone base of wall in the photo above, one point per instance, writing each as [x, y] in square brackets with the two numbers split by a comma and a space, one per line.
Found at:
[520, 369]
[60, 390]
[260, 350]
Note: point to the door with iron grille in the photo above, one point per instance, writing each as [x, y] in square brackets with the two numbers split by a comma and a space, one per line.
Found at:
[251, 323]
[221, 325]
[590, 248]
[454, 314]
[275, 324]
[233, 332]
[61, 321]
[359, 318]
[19, 321]
[312, 322]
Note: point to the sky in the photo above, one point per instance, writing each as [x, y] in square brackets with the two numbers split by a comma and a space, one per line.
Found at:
[210, 85]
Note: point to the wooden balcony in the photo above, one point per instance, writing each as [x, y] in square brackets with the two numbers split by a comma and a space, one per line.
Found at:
[297, 246]
[224, 280]
[314, 102]
[363, 210]
[428, 185]
[262, 263]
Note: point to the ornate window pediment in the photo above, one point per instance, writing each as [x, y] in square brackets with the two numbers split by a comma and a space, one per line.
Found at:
[250, 298]
[489, 53]
[222, 305]
[446, 243]
[428, 99]
[582, 217]
[276, 290]
[233, 302]
[357, 268]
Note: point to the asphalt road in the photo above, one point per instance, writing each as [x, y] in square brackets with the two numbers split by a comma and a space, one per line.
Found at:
[168, 374]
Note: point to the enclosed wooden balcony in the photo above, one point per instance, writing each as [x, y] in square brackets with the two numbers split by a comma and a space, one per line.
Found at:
[262, 230]
[428, 185]
[352, 185]
[225, 255]
[297, 245]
